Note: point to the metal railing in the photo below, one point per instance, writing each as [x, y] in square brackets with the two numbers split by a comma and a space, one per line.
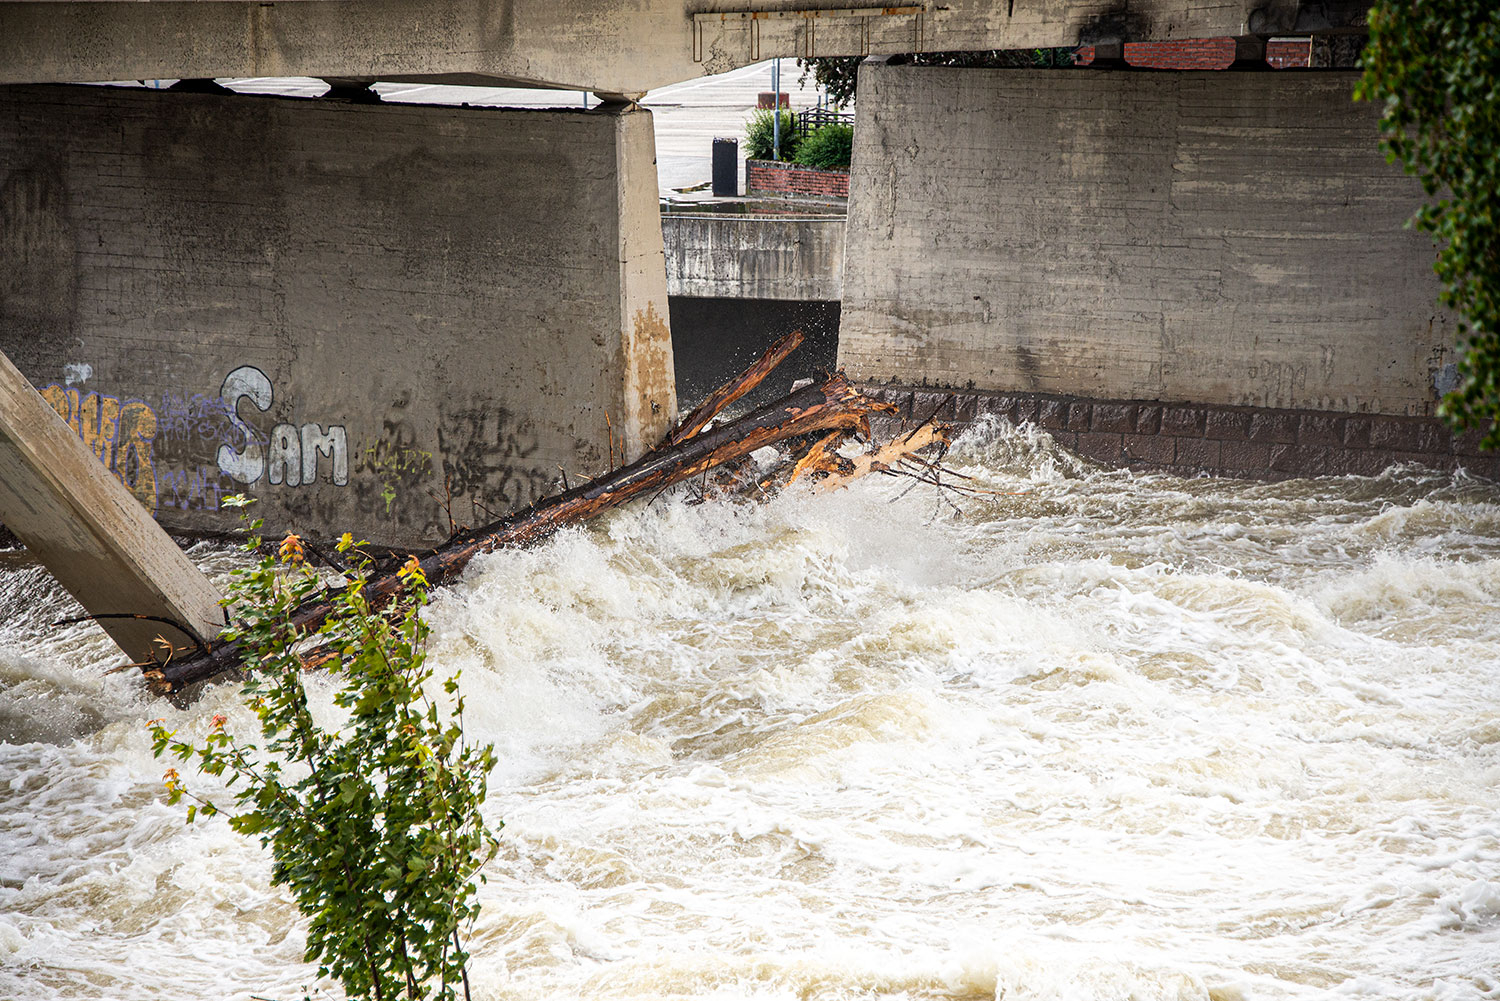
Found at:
[814, 118]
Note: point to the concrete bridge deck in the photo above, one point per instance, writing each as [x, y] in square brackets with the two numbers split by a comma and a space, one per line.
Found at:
[594, 45]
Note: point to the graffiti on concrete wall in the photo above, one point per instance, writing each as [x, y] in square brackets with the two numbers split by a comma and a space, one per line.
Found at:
[396, 464]
[188, 450]
[195, 487]
[190, 428]
[492, 454]
[293, 455]
[195, 449]
[121, 433]
[187, 417]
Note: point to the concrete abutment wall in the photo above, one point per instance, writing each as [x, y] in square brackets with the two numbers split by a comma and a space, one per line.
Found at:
[710, 255]
[737, 283]
[346, 310]
[1227, 240]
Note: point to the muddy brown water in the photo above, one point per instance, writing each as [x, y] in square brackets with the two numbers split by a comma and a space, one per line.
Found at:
[1102, 736]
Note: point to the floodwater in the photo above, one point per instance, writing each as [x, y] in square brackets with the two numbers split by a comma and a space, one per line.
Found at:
[1104, 736]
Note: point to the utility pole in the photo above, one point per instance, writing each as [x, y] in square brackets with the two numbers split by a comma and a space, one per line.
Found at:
[776, 110]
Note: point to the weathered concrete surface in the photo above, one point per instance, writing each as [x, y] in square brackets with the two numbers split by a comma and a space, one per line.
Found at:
[345, 310]
[1219, 238]
[594, 45]
[754, 257]
[89, 531]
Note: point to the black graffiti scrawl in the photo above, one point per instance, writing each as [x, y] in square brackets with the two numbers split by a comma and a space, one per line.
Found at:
[492, 457]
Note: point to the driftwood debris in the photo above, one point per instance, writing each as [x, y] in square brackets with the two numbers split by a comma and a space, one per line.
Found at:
[814, 421]
[715, 402]
[832, 405]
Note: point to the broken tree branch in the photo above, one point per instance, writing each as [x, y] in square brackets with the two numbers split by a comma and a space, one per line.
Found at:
[839, 472]
[734, 389]
[198, 641]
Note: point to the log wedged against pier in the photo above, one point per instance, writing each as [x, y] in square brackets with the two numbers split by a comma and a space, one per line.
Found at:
[830, 405]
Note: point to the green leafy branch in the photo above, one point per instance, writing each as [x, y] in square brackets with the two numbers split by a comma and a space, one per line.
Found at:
[375, 827]
[1435, 67]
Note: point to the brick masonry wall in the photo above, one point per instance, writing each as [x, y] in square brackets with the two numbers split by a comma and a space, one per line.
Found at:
[769, 177]
[1260, 443]
[1199, 54]
[1288, 54]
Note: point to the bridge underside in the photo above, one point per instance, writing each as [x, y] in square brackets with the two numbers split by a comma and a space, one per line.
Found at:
[596, 45]
[384, 317]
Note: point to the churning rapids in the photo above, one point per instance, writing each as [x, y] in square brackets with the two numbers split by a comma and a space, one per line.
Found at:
[1105, 736]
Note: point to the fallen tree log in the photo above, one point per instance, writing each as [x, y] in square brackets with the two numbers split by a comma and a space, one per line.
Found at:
[831, 405]
[735, 388]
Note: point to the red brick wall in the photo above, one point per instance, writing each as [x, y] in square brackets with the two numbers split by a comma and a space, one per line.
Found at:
[1198, 54]
[767, 177]
[1284, 55]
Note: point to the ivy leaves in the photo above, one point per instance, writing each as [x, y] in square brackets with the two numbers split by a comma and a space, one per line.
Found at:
[1435, 66]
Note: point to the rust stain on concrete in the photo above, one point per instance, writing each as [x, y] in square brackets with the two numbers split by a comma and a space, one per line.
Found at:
[649, 362]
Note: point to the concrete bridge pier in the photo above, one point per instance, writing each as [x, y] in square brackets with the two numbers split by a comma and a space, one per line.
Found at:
[365, 315]
[1171, 270]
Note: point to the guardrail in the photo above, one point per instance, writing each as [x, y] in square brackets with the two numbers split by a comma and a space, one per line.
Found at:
[814, 118]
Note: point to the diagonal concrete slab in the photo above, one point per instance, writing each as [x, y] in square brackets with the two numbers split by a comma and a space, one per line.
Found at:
[92, 533]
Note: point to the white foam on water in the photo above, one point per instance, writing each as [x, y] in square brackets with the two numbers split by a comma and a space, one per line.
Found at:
[1102, 736]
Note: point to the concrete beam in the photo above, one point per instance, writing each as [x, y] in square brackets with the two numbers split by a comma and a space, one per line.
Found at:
[594, 45]
[92, 533]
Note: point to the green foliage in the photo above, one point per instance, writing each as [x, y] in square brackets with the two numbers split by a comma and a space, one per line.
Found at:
[759, 134]
[827, 146]
[375, 828]
[834, 75]
[1436, 66]
[837, 75]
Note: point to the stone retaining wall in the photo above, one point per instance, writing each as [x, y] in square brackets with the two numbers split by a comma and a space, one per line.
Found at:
[1260, 443]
